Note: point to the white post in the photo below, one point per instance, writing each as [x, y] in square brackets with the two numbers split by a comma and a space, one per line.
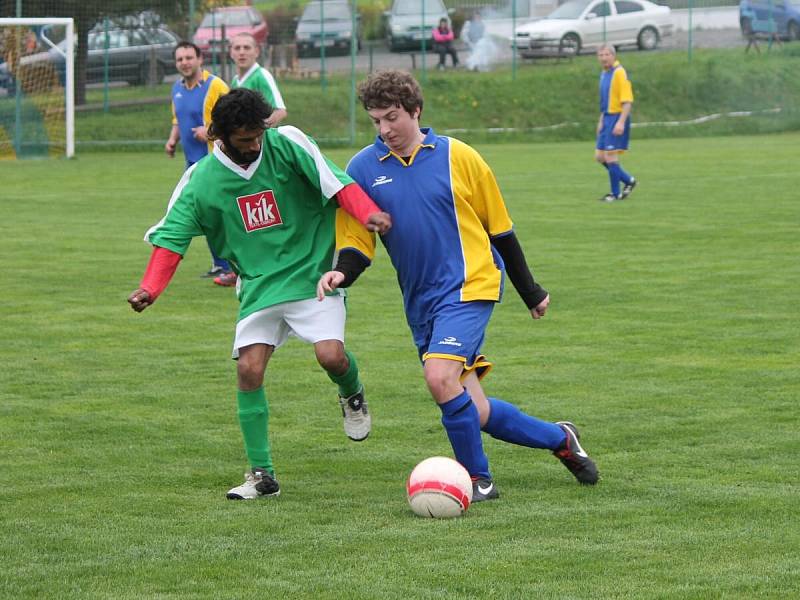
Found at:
[70, 88]
[69, 61]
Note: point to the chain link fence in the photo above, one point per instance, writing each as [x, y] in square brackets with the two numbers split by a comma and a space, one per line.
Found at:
[318, 50]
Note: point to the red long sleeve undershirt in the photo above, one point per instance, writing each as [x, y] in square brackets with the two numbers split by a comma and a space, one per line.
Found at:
[162, 266]
[163, 263]
[353, 199]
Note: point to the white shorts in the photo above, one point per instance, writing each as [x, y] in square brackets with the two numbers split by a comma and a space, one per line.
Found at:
[310, 320]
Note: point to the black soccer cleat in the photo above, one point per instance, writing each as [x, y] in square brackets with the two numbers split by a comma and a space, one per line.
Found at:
[626, 191]
[610, 198]
[483, 489]
[574, 457]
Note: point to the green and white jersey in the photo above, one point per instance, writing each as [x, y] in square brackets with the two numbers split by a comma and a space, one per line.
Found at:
[259, 79]
[274, 221]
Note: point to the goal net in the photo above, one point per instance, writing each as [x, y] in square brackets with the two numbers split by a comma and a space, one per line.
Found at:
[37, 108]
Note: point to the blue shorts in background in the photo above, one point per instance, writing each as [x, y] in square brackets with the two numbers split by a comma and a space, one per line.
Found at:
[607, 140]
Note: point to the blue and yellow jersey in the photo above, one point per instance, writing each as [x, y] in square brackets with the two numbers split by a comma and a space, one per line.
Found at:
[191, 107]
[615, 89]
[445, 206]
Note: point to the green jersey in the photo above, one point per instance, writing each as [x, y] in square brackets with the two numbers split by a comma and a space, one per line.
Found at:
[260, 80]
[274, 221]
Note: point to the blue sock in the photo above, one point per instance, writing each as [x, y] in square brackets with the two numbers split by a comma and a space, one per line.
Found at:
[462, 424]
[613, 175]
[509, 424]
[624, 177]
[605, 165]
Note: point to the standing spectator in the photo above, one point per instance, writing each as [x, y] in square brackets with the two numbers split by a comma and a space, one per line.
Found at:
[266, 199]
[443, 44]
[614, 125]
[450, 243]
[193, 98]
[251, 75]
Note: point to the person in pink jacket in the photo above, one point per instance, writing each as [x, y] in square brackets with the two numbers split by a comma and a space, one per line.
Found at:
[443, 43]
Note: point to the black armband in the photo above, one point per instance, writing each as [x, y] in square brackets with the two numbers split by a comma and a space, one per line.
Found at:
[520, 275]
[351, 264]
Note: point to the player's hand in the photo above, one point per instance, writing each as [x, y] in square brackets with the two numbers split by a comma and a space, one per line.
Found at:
[537, 312]
[169, 148]
[200, 133]
[140, 299]
[619, 128]
[328, 282]
[379, 222]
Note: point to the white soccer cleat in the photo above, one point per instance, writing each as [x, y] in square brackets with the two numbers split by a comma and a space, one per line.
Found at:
[258, 483]
[357, 421]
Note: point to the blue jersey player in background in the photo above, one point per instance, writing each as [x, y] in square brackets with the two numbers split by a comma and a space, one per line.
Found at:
[193, 98]
[614, 125]
[451, 243]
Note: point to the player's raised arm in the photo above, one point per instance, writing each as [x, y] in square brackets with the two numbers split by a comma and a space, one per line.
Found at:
[356, 202]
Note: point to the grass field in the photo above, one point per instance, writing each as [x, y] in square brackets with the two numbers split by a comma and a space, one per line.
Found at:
[673, 341]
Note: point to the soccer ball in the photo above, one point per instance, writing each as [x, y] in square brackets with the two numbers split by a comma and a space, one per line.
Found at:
[439, 488]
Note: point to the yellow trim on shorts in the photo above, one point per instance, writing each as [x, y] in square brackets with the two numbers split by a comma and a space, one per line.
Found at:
[481, 366]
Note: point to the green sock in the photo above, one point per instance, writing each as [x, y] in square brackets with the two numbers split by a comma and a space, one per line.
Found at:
[349, 383]
[254, 419]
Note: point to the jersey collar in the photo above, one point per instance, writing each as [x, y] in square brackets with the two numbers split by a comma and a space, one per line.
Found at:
[383, 152]
[227, 162]
[204, 75]
[250, 71]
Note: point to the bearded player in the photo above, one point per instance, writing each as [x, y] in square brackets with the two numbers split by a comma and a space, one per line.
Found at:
[266, 200]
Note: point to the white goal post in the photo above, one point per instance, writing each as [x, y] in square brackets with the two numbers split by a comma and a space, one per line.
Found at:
[23, 96]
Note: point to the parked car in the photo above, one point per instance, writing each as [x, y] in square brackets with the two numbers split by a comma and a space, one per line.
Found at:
[236, 19]
[781, 17]
[135, 55]
[328, 24]
[130, 52]
[583, 24]
[407, 25]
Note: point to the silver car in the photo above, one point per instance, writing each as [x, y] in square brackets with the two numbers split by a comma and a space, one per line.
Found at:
[586, 24]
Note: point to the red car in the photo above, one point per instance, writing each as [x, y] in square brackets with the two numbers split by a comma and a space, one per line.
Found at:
[236, 19]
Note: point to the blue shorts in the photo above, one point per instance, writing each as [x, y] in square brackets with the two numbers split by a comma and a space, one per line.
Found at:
[456, 332]
[607, 140]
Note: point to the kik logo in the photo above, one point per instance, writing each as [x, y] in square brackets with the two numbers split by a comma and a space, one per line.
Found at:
[259, 211]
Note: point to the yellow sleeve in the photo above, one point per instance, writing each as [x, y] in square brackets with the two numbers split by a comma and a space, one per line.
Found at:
[174, 117]
[217, 89]
[350, 233]
[475, 183]
[623, 87]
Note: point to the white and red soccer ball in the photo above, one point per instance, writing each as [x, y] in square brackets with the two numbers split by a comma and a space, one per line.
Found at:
[439, 488]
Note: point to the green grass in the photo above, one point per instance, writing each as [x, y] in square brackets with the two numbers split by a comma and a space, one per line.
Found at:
[667, 88]
[672, 341]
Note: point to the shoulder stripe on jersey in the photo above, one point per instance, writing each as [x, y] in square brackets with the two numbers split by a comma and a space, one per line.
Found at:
[276, 93]
[329, 183]
[175, 194]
